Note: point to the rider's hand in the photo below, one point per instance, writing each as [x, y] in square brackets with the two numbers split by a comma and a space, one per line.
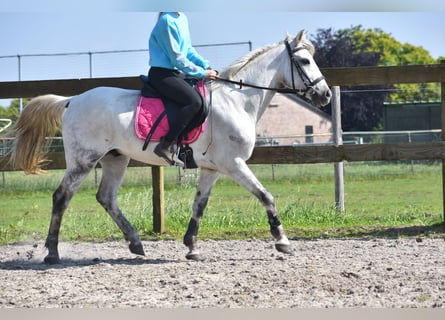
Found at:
[211, 74]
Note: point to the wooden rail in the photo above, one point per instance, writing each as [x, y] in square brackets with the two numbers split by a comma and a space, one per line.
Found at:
[307, 154]
[359, 76]
[56, 160]
[368, 76]
[349, 152]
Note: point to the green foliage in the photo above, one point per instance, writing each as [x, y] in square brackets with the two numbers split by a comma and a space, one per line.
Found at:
[392, 52]
[395, 53]
[12, 111]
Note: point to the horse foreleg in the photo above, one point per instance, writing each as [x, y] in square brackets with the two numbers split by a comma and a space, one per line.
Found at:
[113, 169]
[244, 176]
[206, 182]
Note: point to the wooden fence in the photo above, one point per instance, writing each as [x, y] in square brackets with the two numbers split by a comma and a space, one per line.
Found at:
[359, 76]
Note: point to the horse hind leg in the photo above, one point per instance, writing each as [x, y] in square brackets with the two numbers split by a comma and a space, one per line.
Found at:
[206, 182]
[61, 198]
[113, 169]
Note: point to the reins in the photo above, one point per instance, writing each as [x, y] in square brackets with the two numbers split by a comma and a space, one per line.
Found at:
[242, 84]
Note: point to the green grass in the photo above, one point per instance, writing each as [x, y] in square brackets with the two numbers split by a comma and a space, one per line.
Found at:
[381, 200]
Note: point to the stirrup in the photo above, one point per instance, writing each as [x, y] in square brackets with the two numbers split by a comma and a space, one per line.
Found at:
[178, 163]
[175, 158]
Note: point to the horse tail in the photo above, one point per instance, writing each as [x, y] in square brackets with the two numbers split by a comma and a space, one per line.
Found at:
[34, 131]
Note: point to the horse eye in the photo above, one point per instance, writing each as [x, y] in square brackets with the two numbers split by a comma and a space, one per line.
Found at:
[304, 61]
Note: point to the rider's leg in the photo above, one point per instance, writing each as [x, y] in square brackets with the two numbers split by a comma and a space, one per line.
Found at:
[170, 84]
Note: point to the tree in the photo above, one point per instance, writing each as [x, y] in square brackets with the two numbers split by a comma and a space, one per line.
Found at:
[361, 106]
[11, 112]
[394, 53]
[354, 47]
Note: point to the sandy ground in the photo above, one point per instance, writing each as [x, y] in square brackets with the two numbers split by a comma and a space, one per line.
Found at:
[405, 272]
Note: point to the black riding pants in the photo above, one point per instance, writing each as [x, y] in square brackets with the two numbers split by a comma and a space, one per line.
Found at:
[171, 85]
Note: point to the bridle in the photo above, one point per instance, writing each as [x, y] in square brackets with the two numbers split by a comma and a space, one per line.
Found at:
[308, 83]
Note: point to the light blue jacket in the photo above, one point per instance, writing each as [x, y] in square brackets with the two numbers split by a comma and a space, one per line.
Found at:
[170, 46]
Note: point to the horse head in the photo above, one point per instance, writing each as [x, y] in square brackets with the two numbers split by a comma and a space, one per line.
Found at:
[305, 76]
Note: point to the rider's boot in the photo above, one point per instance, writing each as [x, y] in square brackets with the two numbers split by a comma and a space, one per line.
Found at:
[164, 150]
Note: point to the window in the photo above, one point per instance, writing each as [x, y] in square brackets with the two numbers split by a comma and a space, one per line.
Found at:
[309, 131]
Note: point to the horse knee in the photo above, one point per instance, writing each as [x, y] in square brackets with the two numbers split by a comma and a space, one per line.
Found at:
[267, 199]
[104, 200]
[200, 204]
[101, 199]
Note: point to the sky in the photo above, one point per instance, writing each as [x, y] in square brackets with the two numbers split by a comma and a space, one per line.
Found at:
[50, 26]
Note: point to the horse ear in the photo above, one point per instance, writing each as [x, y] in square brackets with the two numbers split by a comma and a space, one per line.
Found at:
[288, 37]
[301, 36]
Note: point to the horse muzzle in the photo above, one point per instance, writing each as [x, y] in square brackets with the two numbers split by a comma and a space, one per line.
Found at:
[319, 96]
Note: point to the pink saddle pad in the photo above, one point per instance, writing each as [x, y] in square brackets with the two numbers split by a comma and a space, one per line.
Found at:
[148, 111]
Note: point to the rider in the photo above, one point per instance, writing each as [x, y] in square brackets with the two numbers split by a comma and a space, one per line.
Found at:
[171, 56]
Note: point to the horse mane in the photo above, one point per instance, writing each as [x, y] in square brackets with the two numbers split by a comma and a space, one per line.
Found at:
[241, 63]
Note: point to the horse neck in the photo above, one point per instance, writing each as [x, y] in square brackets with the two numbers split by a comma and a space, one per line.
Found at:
[263, 71]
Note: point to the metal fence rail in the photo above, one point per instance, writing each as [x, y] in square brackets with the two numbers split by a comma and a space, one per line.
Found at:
[112, 63]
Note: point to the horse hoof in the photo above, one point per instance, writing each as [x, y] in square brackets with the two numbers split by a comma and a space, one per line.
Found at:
[137, 249]
[194, 255]
[51, 259]
[284, 248]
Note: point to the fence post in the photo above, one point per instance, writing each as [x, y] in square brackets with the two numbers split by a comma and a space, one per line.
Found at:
[442, 94]
[338, 140]
[157, 176]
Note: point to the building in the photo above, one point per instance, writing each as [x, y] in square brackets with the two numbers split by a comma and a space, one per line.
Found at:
[290, 120]
[412, 116]
[422, 117]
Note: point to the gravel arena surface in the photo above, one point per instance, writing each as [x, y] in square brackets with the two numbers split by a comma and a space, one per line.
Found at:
[407, 272]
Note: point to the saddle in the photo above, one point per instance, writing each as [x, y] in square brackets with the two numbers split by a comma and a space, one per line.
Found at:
[152, 119]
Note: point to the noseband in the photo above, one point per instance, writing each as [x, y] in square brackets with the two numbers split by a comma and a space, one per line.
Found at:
[308, 83]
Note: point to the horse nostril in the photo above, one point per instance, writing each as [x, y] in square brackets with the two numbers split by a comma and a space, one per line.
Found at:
[328, 94]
